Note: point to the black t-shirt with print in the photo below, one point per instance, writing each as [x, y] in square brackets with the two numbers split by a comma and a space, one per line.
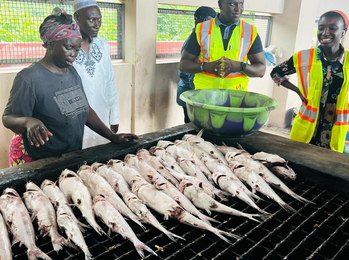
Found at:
[59, 101]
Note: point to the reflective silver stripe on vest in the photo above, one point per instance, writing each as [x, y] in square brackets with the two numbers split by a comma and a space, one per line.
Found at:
[342, 118]
[308, 112]
[246, 41]
[304, 63]
[206, 40]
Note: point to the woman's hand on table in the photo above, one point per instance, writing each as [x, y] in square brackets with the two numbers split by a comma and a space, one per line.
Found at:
[119, 138]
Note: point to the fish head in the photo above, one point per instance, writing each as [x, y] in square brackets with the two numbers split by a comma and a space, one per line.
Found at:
[48, 183]
[158, 151]
[96, 165]
[216, 176]
[98, 198]
[184, 184]
[144, 154]
[164, 144]
[270, 158]
[130, 159]
[235, 164]
[31, 186]
[10, 192]
[84, 167]
[188, 136]
[116, 164]
[182, 161]
[67, 174]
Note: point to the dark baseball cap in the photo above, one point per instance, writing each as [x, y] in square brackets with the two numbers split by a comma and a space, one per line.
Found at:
[203, 12]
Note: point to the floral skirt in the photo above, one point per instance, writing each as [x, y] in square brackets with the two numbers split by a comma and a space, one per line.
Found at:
[17, 153]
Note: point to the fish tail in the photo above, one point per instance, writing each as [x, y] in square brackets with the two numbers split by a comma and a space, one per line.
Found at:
[87, 253]
[99, 230]
[134, 219]
[208, 219]
[300, 198]
[229, 234]
[58, 243]
[286, 207]
[140, 246]
[255, 196]
[173, 236]
[262, 217]
[82, 226]
[36, 253]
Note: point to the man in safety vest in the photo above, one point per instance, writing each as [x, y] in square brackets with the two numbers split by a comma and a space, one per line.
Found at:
[323, 83]
[222, 48]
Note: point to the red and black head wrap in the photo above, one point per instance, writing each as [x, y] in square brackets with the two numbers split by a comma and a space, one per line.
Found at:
[58, 26]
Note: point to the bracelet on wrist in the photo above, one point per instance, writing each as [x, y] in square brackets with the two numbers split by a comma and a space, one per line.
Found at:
[202, 67]
[243, 66]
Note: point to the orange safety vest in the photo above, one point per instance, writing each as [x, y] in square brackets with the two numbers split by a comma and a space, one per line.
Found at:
[310, 81]
[210, 40]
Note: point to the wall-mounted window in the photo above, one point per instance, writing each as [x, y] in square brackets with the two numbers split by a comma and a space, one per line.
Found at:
[175, 24]
[20, 21]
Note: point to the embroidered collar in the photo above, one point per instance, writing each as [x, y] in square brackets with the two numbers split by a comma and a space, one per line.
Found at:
[340, 58]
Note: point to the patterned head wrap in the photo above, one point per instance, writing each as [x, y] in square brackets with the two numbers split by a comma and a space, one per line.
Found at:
[58, 26]
[344, 16]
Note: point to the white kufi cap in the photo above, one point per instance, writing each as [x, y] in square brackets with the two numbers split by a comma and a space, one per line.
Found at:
[80, 4]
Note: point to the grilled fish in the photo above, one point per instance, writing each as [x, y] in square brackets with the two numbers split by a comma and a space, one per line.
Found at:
[74, 189]
[18, 221]
[276, 164]
[229, 184]
[257, 183]
[166, 206]
[129, 174]
[133, 202]
[41, 209]
[66, 222]
[156, 164]
[192, 170]
[97, 185]
[208, 147]
[263, 171]
[113, 219]
[205, 202]
[150, 175]
[240, 189]
[5, 245]
[58, 199]
[166, 159]
[179, 152]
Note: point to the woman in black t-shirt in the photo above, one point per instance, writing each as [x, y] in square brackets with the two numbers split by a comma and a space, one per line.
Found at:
[47, 107]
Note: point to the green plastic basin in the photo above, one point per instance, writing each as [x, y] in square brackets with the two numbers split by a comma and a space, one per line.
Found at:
[228, 112]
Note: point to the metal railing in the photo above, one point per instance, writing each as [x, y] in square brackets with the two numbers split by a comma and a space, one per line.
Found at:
[174, 26]
[20, 21]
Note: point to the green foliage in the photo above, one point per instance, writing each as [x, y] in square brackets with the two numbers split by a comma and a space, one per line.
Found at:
[20, 21]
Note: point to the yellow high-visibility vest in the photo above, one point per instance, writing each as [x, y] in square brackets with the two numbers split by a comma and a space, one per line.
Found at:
[210, 40]
[310, 81]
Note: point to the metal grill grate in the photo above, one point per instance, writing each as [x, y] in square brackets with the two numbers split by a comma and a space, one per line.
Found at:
[314, 232]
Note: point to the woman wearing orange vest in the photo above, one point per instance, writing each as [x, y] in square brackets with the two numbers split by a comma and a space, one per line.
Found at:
[222, 47]
[323, 81]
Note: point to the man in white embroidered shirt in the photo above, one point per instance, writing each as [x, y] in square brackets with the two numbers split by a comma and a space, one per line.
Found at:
[94, 66]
